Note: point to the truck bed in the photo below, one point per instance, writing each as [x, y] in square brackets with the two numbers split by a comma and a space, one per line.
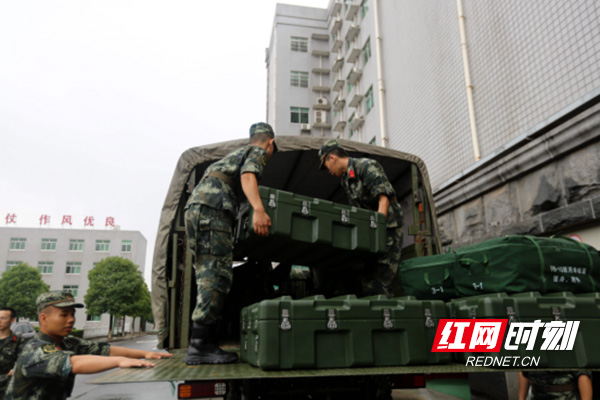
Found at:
[175, 369]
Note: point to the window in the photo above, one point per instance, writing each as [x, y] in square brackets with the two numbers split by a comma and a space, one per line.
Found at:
[369, 99]
[299, 44]
[102, 245]
[299, 115]
[71, 289]
[299, 79]
[126, 246]
[73, 268]
[94, 317]
[45, 267]
[10, 264]
[364, 6]
[49, 244]
[17, 243]
[347, 82]
[76, 245]
[366, 51]
[373, 141]
[352, 131]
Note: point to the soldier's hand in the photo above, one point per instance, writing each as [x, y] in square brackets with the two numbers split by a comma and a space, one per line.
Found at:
[156, 356]
[126, 362]
[262, 222]
[10, 373]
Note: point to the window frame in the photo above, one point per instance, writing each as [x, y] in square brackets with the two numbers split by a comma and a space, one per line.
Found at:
[73, 289]
[46, 242]
[76, 245]
[301, 111]
[48, 265]
[100, 245]
[71, 265]
[299, 79]
[16, 243]
[299, 44]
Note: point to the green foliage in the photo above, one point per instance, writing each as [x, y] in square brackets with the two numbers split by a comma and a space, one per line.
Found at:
[19, 288]
[77, 333]
[118, 288]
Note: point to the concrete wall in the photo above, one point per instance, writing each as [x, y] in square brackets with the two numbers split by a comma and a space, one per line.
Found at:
[550, 185]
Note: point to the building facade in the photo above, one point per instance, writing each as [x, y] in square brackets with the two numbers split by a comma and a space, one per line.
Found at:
[65, 256]
[500, 99]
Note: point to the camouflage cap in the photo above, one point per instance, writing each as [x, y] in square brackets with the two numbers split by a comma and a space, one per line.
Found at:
[56, 298]
[327, 148]
[263, 127]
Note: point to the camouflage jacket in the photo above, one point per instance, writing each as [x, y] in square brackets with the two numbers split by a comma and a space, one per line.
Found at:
[217, 194]
[43, 370]
[364, 181]
[542, 381]
[10, 348]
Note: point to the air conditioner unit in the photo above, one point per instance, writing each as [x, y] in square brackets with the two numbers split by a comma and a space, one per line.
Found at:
[320, 117]
[322, 101]
[305, 127]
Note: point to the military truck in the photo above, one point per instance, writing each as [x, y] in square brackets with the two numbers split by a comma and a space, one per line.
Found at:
[293, 168]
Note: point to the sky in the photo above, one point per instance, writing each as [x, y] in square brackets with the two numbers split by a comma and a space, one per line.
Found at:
[98, 99]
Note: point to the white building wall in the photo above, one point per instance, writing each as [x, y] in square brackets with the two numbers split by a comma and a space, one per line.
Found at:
[529, 60]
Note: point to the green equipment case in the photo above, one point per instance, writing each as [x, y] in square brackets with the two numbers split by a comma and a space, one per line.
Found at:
[530, 307]
[340, 332]
[517, 264]
[310, 231]
[429, 277]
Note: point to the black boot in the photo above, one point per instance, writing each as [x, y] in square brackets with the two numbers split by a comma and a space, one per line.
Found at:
[204, 348]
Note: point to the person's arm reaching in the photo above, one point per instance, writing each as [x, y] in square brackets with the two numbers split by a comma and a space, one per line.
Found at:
[262, 222]
[88, 364]
[133, 353]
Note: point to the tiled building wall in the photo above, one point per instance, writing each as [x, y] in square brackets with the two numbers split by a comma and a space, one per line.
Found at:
[528, 61]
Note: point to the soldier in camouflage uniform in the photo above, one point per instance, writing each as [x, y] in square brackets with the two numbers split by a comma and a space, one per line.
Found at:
[546, 385]
[46, 367]
[10, 347]
[209, 217]
[367, 186]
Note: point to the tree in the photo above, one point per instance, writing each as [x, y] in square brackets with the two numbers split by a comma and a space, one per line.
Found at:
[19, 287]
[116, 287]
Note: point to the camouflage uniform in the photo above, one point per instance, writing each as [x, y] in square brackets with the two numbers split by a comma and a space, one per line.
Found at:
[10, 348]
[364, 181]
[209, 217]
[546, 385]
[43, 370]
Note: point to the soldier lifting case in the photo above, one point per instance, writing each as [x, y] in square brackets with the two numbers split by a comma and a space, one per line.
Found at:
[341, 332]
[516, 264]
[310, 231]
[532, 306]
[429, 277]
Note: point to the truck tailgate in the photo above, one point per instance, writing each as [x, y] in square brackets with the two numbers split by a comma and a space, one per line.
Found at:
[175, 369]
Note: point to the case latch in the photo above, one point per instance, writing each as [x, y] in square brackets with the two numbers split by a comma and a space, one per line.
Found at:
[345, 217]
[373, 222]
[285, 323]
[331, 324]
[556, 313]
[428, 320]
[387, 321]
[305, 210]
[272, 202]
[511, 315]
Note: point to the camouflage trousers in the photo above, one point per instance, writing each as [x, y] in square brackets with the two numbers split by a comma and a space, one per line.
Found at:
[380, 277]
[210, 238]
